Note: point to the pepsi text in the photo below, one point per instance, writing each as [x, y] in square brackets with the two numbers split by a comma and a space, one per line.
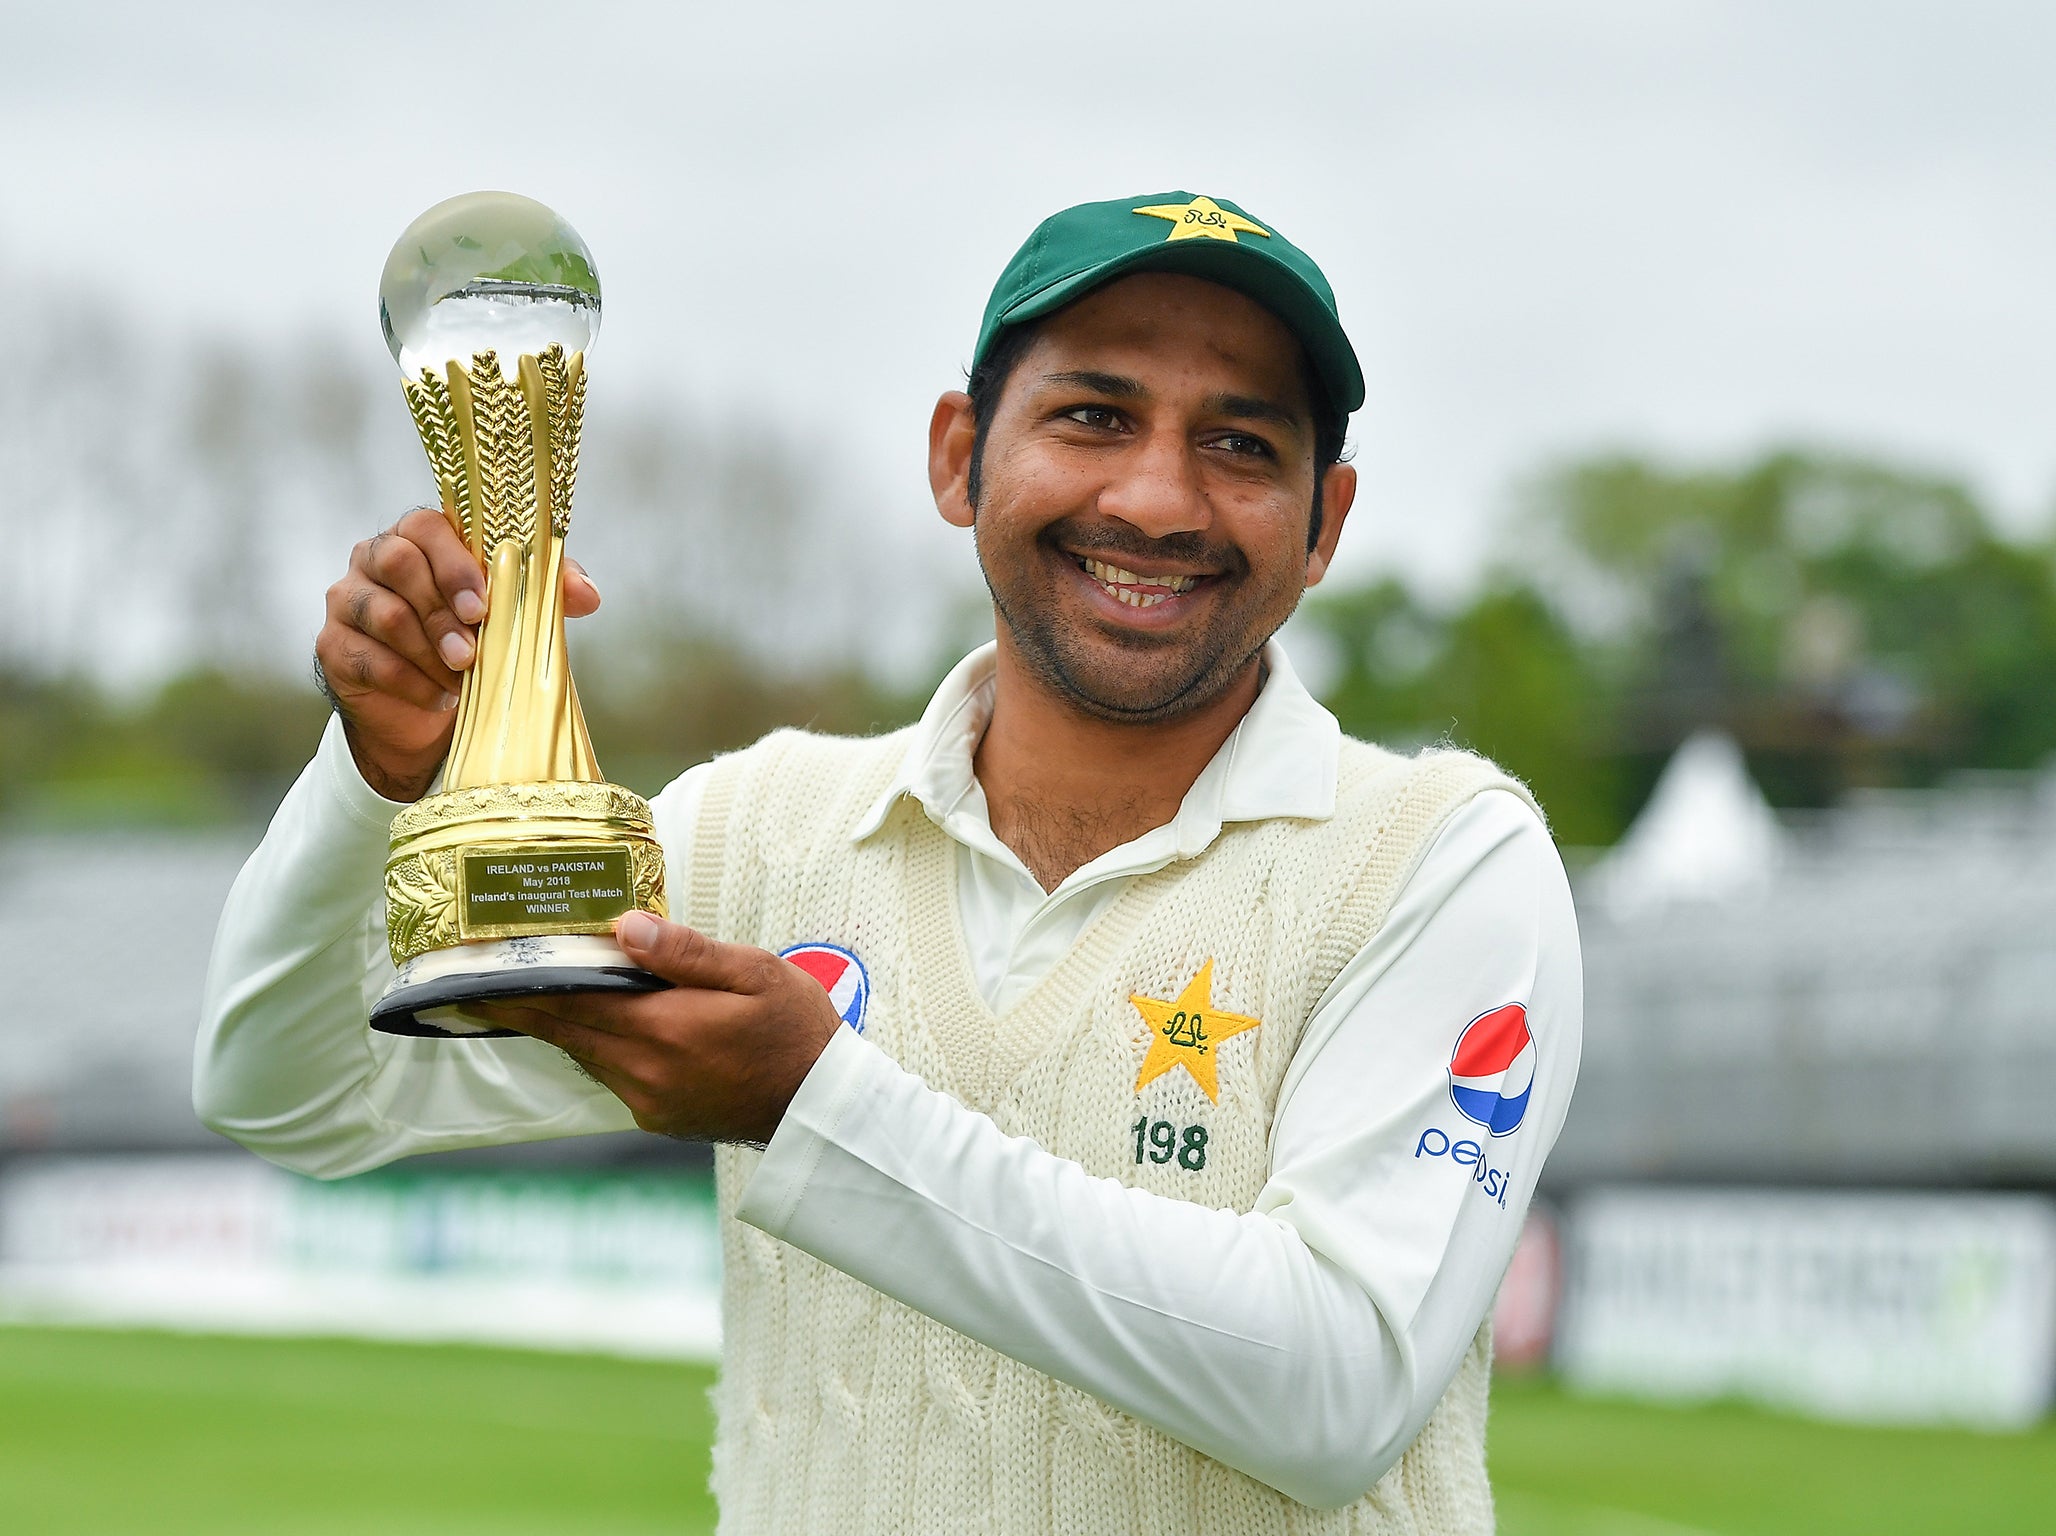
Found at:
[1435, 1142]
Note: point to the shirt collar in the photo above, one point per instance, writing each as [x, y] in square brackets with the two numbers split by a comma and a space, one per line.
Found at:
[1280, 760]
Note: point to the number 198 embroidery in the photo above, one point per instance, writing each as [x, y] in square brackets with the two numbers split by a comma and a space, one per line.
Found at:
[1159, 1141]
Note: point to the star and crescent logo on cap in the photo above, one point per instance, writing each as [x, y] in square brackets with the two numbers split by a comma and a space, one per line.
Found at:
[1188, 1032]
[1204, 219]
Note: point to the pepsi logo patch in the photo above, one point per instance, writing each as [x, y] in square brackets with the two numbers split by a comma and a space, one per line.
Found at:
[1492, 1070]
[842, 977]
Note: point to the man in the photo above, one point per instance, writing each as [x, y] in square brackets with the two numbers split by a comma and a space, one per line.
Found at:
[1187, 1069]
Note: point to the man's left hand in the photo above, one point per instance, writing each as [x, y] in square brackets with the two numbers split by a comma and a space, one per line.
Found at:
[716, 1056]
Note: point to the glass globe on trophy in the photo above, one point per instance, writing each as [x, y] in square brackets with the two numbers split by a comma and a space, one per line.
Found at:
[506, 880]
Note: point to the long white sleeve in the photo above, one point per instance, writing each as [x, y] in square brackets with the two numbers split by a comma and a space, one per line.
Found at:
[1307, 1342]
[285, 1063]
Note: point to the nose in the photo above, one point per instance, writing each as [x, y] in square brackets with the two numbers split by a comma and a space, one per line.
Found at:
[1156, 488]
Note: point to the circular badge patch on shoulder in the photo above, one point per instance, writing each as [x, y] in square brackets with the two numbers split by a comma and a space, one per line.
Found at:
[842, 977]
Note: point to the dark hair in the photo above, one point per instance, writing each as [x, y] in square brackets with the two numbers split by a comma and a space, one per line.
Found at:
[988, 381]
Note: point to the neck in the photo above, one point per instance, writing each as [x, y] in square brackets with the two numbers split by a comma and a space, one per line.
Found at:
[1062, 787]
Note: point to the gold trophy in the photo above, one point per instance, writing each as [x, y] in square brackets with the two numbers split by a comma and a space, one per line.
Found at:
[507, 880]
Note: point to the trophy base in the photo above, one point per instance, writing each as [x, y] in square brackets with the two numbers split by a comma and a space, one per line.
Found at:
[427, 996]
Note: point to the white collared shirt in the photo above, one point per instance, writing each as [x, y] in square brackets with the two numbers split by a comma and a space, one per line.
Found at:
[1280, 760]
[1346, 1300]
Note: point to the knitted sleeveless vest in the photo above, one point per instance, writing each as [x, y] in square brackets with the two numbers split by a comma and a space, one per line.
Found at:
[843, 1412]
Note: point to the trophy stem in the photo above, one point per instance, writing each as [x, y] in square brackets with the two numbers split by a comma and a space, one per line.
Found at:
[518, 716]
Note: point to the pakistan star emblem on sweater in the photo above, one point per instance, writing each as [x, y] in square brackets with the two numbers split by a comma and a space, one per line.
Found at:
[1188, 1033]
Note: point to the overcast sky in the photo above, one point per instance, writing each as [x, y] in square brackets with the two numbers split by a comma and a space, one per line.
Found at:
[1694, 227]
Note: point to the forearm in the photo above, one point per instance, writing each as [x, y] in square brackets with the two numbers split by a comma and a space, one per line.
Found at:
[1225, 1331]
[285, 1063]
[283, 1054]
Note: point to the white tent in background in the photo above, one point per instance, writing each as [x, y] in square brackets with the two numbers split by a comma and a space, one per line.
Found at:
[1707, 834]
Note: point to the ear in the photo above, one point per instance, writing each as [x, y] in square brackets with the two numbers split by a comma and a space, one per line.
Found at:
[1338, 493]
[952, 431]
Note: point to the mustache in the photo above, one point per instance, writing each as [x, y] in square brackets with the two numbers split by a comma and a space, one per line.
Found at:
[1104, 541]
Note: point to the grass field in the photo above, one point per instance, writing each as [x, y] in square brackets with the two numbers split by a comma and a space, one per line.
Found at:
[127, 1432]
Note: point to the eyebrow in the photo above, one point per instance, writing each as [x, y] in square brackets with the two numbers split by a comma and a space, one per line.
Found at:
[1118, 386]
[1255, 408]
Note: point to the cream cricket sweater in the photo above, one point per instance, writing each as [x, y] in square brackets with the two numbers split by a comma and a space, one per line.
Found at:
[843, 1411]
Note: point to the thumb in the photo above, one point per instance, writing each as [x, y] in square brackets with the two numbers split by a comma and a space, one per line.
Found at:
[685, 956]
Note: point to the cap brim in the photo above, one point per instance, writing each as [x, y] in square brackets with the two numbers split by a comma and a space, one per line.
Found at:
[1246, 269]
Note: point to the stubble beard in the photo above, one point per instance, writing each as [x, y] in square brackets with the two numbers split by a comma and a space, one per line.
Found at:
[1189, 675]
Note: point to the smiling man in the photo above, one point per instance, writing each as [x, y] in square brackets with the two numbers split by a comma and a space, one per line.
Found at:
[1130, 1088]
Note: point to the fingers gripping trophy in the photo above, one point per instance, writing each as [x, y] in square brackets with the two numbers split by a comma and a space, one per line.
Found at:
[506, 881]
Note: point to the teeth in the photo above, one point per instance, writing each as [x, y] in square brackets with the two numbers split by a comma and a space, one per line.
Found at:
[1121, 584]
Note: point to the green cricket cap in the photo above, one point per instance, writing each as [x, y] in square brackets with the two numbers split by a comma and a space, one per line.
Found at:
[1073, 252]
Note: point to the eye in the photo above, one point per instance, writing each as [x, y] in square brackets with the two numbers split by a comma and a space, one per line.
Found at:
[1103, 417]
[1245, 445]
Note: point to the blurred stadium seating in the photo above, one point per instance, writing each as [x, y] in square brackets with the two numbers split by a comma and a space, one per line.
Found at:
[104, 938]
[1882, 1011]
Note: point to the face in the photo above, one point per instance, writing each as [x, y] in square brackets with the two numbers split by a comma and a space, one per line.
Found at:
[1147, 484]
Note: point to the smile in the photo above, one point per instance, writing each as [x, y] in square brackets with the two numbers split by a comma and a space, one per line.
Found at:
[1136, 591]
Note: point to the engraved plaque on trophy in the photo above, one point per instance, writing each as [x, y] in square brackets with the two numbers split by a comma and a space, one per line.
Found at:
[506, 881]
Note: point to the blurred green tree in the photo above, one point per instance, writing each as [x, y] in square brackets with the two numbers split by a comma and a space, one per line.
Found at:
[1849, 622]
[1504, 675]
[206, 746]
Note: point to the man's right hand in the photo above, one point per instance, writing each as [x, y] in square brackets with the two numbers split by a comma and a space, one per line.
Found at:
[402, 624]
